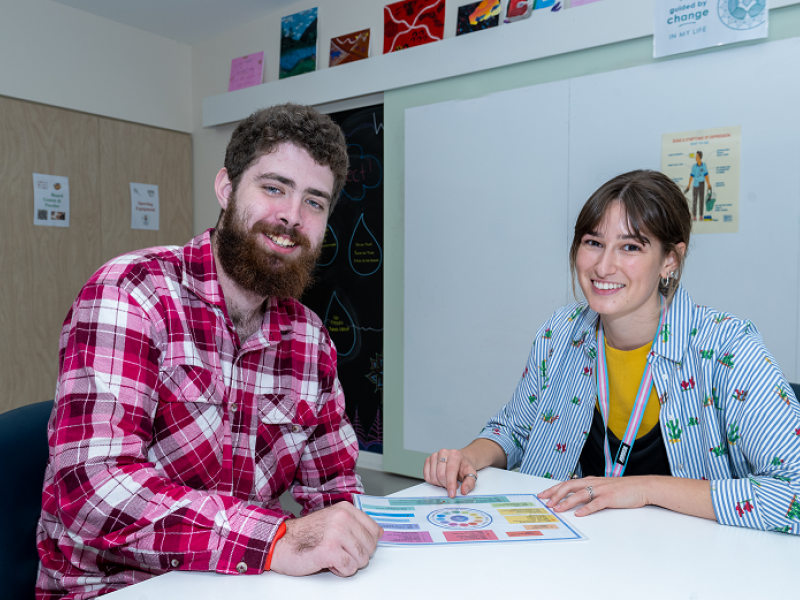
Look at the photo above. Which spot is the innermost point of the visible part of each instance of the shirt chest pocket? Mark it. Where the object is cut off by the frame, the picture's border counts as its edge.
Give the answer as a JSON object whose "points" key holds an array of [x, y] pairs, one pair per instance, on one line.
{"points": [[285, 424], [189, 428]]}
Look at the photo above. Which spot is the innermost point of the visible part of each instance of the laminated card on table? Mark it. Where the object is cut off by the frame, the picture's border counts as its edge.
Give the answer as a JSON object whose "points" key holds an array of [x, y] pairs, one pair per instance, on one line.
{"points": [[466, 519]]}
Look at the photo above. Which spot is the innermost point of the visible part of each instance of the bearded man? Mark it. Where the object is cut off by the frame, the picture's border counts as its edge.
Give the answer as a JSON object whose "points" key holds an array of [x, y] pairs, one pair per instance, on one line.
{"points": [[194, 389]]}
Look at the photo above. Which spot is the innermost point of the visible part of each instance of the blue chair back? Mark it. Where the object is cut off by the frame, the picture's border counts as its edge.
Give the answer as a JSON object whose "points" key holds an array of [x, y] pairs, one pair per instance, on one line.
{"points": [[24, 452]]}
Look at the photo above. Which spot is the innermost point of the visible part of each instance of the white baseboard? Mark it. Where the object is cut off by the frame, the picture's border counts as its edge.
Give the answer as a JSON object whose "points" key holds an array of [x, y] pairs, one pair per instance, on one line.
{"points": [[370, 460]]}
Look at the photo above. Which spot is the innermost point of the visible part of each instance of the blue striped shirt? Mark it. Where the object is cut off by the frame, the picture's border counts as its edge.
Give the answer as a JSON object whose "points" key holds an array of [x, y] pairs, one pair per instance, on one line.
{"points": [[727, 412]]}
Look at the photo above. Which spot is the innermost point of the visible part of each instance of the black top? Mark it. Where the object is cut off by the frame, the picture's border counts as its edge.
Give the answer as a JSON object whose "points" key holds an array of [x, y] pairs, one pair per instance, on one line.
{"points": [[648, 456]]}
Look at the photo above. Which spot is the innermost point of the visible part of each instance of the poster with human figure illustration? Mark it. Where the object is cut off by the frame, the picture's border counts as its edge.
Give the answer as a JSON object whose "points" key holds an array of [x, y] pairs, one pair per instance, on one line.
{"points": [[705, 164]]}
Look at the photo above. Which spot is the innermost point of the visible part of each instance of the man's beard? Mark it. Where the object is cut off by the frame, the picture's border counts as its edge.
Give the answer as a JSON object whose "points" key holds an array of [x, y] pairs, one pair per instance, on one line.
{"points": [[257, 269]]}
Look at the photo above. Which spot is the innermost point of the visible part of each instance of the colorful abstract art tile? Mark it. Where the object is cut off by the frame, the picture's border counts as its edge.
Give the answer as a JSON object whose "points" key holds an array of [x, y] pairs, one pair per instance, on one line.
{"points": [[478, 16], [350, 48], [518, 10], [412, 23], [299, 43]]}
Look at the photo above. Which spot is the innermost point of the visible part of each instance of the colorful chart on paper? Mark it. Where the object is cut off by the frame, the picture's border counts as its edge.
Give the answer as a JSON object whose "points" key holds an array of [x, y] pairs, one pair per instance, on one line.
{"points": [[412, 23], [466, 519]]}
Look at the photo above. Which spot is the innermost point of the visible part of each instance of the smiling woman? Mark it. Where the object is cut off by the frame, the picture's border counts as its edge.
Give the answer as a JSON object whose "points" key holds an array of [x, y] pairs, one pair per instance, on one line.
{"points": [[683, 401]]}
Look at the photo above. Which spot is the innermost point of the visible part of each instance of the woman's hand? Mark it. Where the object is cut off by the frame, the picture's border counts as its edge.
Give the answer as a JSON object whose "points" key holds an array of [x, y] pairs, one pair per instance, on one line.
{"points": [[687, 496], [597, 493], [448, 468]]}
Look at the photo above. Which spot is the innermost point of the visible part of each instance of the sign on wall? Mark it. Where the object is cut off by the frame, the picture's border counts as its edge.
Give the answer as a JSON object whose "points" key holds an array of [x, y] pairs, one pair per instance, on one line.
{"points": [[50, 200], [705, 165], [144, 206], [683, 26]]}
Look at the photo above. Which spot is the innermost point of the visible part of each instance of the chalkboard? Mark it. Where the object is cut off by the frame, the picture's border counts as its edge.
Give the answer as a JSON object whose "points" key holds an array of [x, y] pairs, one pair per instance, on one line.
{"points": [[348, 292]]}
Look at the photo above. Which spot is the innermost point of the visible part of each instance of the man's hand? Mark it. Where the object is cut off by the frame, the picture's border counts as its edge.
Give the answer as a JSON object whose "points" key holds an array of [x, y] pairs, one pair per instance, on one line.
{"points": [[340, 538]]}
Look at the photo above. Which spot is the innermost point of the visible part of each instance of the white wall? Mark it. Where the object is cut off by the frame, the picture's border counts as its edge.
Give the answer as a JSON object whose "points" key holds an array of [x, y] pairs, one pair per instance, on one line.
{"points": [[211, 60], [57, 55], [211, 63]]}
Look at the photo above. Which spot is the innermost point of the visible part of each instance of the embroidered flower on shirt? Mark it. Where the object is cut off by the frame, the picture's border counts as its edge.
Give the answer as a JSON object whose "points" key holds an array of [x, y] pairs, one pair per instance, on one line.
{"points": [[733, 433], [726, 360], [718, 450], [675, 431], [549, 416], [794, 509], [782, 394], [743, 506]]}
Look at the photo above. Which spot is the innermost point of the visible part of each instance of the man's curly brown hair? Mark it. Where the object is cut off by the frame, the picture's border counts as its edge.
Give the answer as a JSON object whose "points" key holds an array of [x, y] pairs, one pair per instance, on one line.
{"points": [[264, 130]]}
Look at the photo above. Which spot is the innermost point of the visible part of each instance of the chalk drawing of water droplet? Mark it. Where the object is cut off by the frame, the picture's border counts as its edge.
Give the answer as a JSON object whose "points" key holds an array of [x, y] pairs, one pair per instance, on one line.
{"points": [[364, 251], [342, 327], [330, 248]]}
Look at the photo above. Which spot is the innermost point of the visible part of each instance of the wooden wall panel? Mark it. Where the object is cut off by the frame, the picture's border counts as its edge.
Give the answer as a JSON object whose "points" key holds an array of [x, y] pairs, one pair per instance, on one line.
{"points": [[43, 268], [134, 153]]}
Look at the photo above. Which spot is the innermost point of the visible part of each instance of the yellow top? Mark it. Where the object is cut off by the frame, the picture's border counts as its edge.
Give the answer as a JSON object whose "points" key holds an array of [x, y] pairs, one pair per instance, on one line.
{"points": [[625, 370]]}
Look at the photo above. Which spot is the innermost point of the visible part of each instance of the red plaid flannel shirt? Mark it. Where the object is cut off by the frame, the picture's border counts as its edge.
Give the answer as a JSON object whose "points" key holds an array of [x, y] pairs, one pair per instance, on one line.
{"points": [[170, 441]]}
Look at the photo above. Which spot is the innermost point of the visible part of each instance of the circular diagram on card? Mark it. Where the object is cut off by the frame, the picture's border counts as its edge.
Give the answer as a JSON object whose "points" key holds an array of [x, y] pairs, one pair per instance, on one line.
{"points": [[463, 519]]}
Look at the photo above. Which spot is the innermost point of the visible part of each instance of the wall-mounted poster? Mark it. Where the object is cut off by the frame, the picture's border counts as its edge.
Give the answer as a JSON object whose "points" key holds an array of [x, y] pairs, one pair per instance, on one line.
{"points": [[299, 43], [682, 26], [246, 71], [350, 48], [705, 164], [50, 200], [478, 16], [348, 292], [144, 206], [412, 23]]}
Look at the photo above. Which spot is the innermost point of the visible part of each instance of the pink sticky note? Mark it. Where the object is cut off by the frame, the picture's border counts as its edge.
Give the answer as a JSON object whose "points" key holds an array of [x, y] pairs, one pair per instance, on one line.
{"points": [[407, 537], [246, 71], [470, 536]]}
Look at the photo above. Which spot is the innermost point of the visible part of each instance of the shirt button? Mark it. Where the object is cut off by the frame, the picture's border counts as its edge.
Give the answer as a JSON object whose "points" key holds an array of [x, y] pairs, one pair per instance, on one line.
{"points": [[242, 567], [233, 407], [175, 562], [295, 428], [664, 377]]}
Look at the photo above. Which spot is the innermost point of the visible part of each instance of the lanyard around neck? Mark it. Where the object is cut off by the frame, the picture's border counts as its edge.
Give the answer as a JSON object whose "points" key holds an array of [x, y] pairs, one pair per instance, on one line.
{"points": [[616, 467]]}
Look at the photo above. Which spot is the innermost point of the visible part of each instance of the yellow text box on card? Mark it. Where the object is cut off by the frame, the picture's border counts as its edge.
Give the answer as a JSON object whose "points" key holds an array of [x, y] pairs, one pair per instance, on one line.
{"points": [[520, 519], [523, 511]]}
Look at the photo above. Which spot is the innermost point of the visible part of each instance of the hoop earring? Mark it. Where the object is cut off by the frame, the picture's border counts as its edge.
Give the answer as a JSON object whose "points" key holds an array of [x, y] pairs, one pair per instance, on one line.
{"points": [[665, 280]]}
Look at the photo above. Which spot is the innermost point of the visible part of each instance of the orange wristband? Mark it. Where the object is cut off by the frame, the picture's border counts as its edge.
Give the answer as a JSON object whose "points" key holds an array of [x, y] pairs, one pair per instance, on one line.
{"points": [[278, 535]]}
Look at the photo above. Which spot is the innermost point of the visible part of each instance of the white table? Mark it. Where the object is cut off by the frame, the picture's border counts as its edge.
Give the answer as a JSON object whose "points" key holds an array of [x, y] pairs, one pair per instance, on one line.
{"points": [[644, 553]]}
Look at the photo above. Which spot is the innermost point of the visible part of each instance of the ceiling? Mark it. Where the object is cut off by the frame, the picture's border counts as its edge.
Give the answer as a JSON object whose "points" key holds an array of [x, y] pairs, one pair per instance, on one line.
{"points": [[187, 21]]}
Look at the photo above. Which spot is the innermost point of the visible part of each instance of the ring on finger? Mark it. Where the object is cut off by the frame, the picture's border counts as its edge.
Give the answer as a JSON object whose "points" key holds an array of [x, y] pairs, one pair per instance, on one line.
{"points": [[591, 493], [444, 460], [473, 475]]}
